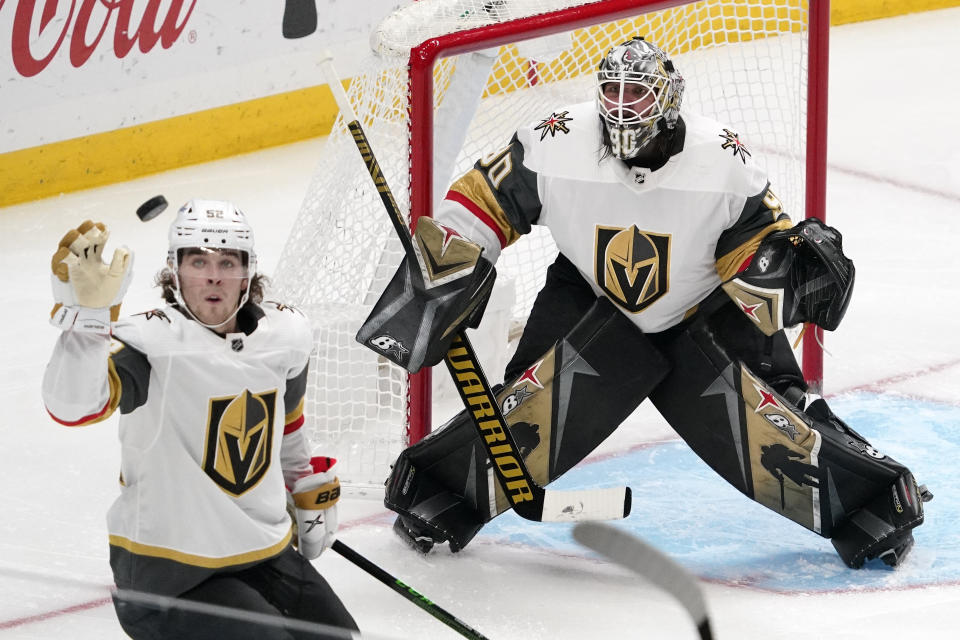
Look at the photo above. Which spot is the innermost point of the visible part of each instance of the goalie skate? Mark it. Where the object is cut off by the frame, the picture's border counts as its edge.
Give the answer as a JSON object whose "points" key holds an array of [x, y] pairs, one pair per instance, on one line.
{"points": [[415, 536], [883, 528]]}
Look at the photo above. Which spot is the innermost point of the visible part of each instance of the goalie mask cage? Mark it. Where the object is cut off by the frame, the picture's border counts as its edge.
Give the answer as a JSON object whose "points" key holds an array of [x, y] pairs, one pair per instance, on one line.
{"points": [[450, 82]]}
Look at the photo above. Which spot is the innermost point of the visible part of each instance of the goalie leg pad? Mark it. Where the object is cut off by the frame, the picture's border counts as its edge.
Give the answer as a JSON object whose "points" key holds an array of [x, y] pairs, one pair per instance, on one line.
{"points": [[430, 513], [806, 465], [559, 410]]}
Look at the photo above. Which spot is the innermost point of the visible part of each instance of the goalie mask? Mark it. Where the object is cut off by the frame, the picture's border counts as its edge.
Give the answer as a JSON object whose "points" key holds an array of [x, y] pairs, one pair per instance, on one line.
{"points": [[202, 240], [638, 96]]}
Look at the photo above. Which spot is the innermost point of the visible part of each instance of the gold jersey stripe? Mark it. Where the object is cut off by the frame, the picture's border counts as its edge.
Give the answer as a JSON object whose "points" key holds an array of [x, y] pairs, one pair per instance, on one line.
{"points": [[473, 187], [200, 561], [295, 414], [729, 264]]}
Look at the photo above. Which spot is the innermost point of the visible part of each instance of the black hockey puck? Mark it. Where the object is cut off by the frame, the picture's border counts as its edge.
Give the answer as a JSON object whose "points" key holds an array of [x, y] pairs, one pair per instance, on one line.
{"points": [[152, 208]]}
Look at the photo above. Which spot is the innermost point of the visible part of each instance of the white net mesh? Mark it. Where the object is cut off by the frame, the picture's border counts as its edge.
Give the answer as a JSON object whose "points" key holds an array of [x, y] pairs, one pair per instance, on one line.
{"points": [[745, 64]]}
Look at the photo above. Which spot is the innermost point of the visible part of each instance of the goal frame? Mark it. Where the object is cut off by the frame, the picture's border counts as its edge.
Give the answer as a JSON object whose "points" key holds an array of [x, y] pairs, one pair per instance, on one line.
{"points": [[424, 57]]}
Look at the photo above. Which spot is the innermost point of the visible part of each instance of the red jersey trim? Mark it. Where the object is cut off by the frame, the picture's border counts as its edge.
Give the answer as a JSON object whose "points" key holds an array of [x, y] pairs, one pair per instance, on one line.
{"points": [[482, 215]]}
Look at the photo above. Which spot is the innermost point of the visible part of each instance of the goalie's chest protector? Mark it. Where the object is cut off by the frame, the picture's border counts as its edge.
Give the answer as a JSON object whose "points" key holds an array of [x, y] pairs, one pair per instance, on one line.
{"points": [[201, 478], [644, 239]]}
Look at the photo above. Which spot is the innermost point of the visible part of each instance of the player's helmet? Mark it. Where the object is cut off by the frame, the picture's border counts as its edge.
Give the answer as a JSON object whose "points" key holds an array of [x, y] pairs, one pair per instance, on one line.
{"points": [[212, 225], [641, 63]]}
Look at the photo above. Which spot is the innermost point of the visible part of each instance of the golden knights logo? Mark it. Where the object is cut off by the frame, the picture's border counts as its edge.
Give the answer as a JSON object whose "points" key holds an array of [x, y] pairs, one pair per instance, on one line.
{"points": [[239, 440], [283, 307], [732, 141], [632, 266], [556, 122], [154, 313]]}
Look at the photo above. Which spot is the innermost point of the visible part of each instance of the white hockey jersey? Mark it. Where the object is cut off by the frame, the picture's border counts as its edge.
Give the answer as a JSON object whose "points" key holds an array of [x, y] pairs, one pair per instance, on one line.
{"points": [[655, 242], [210, 434]]}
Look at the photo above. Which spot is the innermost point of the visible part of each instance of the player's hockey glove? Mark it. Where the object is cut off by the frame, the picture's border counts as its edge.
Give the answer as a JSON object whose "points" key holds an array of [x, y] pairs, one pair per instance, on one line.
{"points": [[797, 275], [314, 499], [87, 291], [434, 294]]}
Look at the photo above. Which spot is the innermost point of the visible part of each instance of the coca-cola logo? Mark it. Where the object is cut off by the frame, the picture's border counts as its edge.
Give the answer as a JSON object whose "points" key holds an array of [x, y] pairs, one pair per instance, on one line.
{"points": [[86, 24]]}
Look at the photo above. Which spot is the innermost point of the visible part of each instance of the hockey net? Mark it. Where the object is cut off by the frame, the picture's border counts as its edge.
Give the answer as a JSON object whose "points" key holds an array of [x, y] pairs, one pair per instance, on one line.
{"points": [[450, 82]]}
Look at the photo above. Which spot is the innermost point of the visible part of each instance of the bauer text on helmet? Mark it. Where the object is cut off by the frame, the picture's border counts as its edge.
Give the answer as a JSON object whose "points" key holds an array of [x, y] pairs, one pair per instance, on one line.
{"points": [[212, 257]]}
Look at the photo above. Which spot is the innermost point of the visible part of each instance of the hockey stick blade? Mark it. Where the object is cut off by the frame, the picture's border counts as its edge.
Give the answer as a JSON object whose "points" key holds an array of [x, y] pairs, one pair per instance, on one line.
{"points": [[653, 565], [528, 499], [408, 592]]}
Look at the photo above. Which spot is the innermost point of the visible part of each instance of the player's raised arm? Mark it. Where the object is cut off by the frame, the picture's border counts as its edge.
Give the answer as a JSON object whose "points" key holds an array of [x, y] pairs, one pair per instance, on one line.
{"points": [[81, 385]]}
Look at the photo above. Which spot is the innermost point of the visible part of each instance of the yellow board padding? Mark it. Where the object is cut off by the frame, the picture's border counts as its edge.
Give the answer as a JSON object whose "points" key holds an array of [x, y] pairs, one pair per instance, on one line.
{"points": [[847, 11], [131, 152], [124, 154]]}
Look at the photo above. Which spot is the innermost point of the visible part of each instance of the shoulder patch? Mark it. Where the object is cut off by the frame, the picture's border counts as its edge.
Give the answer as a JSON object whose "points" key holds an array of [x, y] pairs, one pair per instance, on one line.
{"points": [[731, 140], [282, 307], [154, 313], [556, 122]]}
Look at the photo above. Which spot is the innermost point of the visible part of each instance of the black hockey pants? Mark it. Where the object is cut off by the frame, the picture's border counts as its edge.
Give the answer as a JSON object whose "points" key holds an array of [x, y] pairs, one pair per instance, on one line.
{"points": [[286, 586]]}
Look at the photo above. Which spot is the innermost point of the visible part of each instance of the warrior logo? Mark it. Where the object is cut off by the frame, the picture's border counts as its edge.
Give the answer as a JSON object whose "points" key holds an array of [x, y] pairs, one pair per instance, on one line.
{"points": [[732, 141], [239, 440], [387, 344], [632, 266], [556, 122]]}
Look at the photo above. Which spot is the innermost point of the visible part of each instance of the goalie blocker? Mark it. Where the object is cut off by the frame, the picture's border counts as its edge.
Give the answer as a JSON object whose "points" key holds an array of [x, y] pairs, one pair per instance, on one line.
{"points": [[425, 304], [800, 461]]}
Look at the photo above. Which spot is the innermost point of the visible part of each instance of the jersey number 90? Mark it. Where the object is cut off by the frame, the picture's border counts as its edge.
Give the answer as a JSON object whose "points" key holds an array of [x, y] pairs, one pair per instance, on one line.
{"points": [[623, 142]]}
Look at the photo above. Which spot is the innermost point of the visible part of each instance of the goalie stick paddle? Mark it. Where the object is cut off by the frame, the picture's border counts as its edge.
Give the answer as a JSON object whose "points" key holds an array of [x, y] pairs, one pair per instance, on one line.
{"points": [[528, 499], [407, 592], [656, 567]]}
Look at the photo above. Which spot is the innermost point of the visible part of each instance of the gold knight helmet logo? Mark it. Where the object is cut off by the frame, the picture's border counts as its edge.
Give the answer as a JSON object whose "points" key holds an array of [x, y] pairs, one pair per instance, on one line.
{"points": [[239, 440], [632, 266]]}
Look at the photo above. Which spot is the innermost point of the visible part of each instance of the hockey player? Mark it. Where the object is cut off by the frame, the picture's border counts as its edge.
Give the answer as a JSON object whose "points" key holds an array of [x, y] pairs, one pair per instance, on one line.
{"points": [[210, 389], [677, 273]]}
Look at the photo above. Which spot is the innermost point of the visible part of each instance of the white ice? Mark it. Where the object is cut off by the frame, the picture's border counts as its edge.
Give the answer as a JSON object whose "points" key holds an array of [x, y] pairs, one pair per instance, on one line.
{"points": [[893, 190]]}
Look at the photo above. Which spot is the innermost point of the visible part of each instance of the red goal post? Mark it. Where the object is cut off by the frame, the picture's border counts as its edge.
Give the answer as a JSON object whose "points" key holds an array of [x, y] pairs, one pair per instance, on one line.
{"points": [[763, 58]]}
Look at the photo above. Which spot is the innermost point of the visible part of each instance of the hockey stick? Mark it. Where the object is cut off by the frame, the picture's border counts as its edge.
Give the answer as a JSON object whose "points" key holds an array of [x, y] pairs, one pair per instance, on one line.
{"points": [[660, 570], [529, 499], [407, 592]]}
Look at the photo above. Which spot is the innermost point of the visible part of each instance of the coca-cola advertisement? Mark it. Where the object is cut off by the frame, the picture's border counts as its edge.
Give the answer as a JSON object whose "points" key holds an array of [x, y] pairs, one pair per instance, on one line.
{"points": [[78, 67]]}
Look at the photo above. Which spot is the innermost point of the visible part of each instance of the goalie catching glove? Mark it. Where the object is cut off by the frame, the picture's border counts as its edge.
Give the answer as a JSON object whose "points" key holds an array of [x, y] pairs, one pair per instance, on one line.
{"points": [[87, 291], [314, 508], [434, 293], [797, 275]]}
